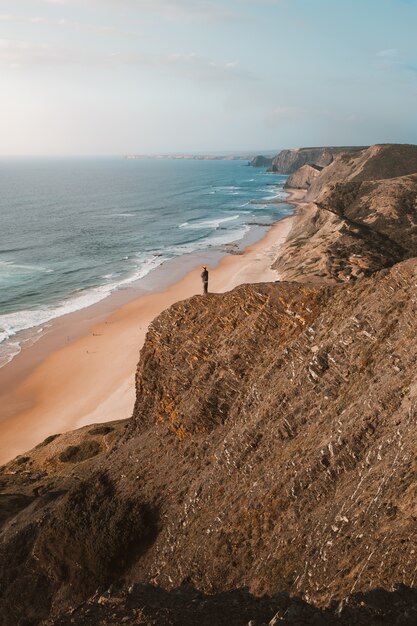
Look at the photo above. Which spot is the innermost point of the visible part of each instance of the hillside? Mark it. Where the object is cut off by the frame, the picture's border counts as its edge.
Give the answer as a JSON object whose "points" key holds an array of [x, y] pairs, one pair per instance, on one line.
{"points": [[268, 472], [303, 177], [378, 162], [257, 455], [289, 161], [357, 218]]}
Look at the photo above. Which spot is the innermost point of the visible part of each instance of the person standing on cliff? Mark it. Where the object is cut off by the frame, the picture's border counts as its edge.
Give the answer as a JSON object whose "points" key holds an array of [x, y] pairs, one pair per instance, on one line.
{"points": [[204, 278]]}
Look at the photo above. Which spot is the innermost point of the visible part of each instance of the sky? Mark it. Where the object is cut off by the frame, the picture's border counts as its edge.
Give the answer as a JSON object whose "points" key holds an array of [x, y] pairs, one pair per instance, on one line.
{"points": [[85, 77]]}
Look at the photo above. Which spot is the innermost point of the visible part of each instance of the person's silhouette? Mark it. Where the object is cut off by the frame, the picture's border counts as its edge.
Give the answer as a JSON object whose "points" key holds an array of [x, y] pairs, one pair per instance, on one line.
{"points": [[204, 278]]}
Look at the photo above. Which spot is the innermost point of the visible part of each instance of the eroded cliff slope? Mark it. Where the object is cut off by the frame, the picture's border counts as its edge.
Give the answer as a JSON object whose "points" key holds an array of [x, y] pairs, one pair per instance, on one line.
{"points": [[289, 161], [360, 216], [272, 446], [303, 177], [379, 162]]}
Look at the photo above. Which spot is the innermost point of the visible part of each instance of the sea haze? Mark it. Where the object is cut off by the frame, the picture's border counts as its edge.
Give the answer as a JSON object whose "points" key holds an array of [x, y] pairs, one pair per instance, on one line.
{"points": [[74, 230]]}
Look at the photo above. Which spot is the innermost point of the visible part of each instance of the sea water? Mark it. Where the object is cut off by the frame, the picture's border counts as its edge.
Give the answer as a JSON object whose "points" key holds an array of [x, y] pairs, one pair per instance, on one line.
{"points": [[72, 231]]}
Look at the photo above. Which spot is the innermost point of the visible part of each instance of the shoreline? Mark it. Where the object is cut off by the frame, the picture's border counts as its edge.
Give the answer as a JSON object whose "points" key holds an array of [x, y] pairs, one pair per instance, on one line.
{"points": [[83, 371]]}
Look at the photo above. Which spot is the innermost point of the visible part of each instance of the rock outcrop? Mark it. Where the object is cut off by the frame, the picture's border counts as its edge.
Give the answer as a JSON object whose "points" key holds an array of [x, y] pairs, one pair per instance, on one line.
{"points": [[272, 446], [289, 161], [303, 177], [261, 161], [268, 473]]}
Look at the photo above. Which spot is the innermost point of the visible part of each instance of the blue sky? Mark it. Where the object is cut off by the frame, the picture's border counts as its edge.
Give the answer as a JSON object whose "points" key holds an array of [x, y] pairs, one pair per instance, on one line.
{"points": [[150, 76]]}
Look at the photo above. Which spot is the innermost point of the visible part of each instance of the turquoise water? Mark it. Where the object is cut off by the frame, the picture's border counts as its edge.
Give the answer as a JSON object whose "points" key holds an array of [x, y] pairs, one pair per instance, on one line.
{"points": [[72, 231]]}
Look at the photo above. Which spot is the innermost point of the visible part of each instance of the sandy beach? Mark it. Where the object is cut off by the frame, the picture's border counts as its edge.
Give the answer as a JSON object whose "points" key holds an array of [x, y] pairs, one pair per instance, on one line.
{"points": [[84, 371]]}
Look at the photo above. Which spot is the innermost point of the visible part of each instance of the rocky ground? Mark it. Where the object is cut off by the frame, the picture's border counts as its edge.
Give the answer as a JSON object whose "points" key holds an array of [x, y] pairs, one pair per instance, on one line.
{"points": [[145, 605]]}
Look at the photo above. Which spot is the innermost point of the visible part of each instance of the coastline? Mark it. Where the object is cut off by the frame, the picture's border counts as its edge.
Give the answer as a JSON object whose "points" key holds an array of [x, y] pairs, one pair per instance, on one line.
{"points": [[84, 371]]}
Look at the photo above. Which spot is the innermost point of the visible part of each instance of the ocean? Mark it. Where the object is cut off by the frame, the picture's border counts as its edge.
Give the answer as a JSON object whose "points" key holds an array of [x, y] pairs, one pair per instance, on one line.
{"points": [[74, 230]]}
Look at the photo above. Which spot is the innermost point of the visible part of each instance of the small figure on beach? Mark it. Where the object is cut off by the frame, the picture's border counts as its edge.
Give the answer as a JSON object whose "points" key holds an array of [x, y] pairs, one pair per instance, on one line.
{"points": [[204, 278]]}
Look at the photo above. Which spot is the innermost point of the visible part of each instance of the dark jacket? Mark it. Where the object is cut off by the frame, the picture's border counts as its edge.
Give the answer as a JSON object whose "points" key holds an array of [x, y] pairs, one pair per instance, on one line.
{"points": [[204, 276]]}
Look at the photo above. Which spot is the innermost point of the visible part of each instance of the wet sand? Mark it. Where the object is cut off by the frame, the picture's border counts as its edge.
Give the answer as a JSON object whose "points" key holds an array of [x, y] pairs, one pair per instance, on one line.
{"points": [[83, 371]]}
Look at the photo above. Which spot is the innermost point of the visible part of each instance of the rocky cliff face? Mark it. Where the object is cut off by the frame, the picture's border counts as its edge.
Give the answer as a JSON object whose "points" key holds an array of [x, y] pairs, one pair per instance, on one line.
{"points": [[303, 177], [379, 162], [362, 217], [289, 161], [298, 420], [271, 451], [261, 161], [272, 446]]}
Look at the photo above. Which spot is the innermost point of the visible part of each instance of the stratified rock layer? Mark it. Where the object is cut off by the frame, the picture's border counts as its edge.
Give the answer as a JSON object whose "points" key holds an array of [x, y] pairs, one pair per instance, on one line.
{"points": [[379, 162], [293, 409], [303, 177], [362, 217], [289, 161], [261, 161], [272, 446]]}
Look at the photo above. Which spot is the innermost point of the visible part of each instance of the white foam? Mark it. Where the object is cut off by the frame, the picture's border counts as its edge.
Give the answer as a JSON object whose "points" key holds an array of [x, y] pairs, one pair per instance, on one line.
{"points": [[216, 223], [16, 323], [121, 215], [228, 236], [13, 323], [8, 352], [11, 267], [228, 190]]}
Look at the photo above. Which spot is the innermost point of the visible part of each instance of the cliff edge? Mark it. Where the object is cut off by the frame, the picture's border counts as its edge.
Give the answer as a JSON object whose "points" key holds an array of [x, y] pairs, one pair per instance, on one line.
{"points": [[289, 161], [303, 177]]}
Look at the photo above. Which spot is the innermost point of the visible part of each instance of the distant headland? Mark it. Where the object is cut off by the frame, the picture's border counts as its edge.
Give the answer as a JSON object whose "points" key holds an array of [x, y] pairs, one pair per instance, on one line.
{"points": [[194, 157]]}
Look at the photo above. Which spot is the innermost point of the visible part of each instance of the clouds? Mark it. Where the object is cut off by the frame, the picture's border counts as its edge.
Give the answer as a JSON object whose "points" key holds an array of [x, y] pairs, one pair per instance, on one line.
{"points": [[389, 53], [199, 68], [391, 59], [157, 68], [18, 54], [8, 17], [73, 25], [171, 10], [282, 114], [36, 42]]}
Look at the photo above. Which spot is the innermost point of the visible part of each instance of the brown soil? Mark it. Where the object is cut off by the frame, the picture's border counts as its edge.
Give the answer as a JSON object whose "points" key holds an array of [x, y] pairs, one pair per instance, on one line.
{"points": [[185, 606]]}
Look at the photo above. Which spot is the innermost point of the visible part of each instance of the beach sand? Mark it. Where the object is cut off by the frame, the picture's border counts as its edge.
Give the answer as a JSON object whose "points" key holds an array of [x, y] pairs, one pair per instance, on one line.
{"points": [[84, 371]]}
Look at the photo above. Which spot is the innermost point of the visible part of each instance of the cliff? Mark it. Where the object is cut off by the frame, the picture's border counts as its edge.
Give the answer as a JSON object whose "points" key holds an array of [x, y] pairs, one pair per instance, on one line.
{"points": [[261, 161], [303, 177], [271, 446], [361, 218], [379, 162], [289, 161], [271, 450]]}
